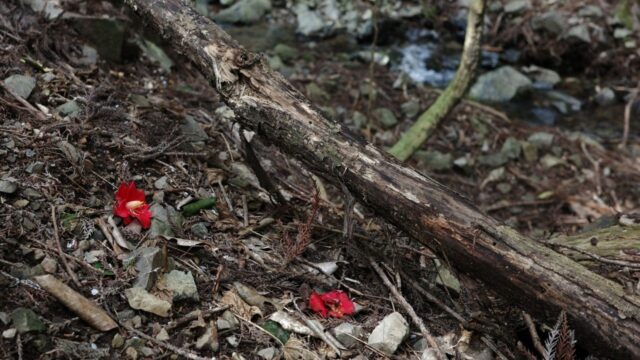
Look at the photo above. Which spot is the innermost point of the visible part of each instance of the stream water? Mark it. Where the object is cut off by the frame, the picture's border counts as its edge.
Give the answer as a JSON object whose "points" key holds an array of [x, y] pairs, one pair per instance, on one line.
{"points": [[426, 58]]}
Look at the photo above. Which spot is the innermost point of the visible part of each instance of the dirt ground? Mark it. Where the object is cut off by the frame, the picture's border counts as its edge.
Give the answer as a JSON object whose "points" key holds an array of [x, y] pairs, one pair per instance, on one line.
{"points": [[253, 253]]}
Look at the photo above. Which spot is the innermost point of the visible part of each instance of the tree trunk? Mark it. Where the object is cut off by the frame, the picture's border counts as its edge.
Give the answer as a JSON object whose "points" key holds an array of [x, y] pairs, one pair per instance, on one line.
{"points": [[607, 320]]}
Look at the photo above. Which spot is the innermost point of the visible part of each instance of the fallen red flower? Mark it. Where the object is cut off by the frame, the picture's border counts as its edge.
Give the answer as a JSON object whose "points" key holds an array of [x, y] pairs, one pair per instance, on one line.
{"points": [[334, 303], [130, 204]]}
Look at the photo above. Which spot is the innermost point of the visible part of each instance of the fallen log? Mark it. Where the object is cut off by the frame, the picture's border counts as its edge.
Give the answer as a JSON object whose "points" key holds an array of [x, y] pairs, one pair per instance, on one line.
{"points": [[542, 281]]}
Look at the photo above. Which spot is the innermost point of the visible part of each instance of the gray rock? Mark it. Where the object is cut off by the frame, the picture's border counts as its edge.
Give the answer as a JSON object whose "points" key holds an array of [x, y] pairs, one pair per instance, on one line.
{"points": [[160, 224], [8, 187], [511, 148], [590, 11], [500, 85], [542, 78], [25, 320], [605, 97], [244, 12], [181, 284], [310, 23], [21, 85], [348, 334], [267, 353], [517, 6], [200, 230], [579, 32], [358, 120], [621, 33], [410, 108], [493, 160], [548, 161], [275, 62], [551, 21], [149, 260], [541, 139], [563, 102], [385, 117], [227, 321], [50, 9], [157, 55], [389, 333], [285, 52], [161, 183], [140, 299], [194, 132], [71, 109], [117, 341], [530, 151], [435, 160], [35, 167]]}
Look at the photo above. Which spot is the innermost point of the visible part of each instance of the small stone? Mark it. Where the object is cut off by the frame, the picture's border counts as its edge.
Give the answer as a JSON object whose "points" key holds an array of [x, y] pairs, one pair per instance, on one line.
{"points": [[9, 333], [590, 11], [117, 341], [25, 320], [131, 353], [348, 334], [551, 21], [21, 85], [160, 224], [517, 6], [4, 318], [148, 261], [163, 335], [605, 97], [530, 151], [621, 33], [410, 108], [140, 299], [49, 265], [233, 341], [435, 160], [511, 148], [541, 139], [275, 62], [389, 333], [227, 321], [267, 353], [579, 32], [500, 85], [244, 12], [504, 187], [21, 203], [70, 109], [549, 161], [544, 79], [180, 284], [493, 160], [316, 93], [200, 230], [8, 187], [385, 117], [358, 119], [161, 183], [286, 52]]}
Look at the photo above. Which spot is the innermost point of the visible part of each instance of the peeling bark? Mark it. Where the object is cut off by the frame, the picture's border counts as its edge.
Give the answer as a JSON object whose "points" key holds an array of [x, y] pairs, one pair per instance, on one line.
{"points": [[606, 319]]}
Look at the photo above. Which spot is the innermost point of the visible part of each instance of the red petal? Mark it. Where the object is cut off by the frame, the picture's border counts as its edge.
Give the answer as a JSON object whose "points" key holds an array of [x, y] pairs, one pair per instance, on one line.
{"points": [[121, 210], [316, 304], [346, 305], [144, 216], [128, 192]]}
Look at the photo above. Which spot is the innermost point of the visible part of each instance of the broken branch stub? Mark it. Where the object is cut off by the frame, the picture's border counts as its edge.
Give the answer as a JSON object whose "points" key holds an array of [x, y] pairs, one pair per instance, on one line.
{"points": [[539, 279]]}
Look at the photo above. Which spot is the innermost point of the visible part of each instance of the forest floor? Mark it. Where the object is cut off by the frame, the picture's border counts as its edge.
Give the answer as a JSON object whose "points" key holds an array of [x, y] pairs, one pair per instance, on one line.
{"points": [[74, 126]]}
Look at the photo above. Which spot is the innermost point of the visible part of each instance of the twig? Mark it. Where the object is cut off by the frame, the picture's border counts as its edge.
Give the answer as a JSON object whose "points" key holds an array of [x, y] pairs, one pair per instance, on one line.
{"points": [[19, 346], [182, 352], [534, 333], [432, 298], [194, 315], [493, 347], [245, 211], [409, 309], [596, 166], [629, 264], [226, 197], [627, 116], [32, 109], [72, 275]]}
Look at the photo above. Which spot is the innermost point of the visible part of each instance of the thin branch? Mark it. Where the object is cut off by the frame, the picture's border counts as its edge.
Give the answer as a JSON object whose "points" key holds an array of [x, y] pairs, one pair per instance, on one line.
{"points": [[63, 259], [534, 333]]}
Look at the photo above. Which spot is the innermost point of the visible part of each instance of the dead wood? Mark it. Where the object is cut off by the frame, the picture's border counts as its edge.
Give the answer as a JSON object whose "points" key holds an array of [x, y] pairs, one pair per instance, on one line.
{"points": [[541, 280]]}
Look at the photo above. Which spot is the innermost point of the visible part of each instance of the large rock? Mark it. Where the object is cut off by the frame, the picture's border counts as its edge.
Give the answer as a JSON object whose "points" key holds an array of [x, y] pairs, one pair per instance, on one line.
{"points": [[500, 85], [21, 85], [389, 333], [244, 12]]}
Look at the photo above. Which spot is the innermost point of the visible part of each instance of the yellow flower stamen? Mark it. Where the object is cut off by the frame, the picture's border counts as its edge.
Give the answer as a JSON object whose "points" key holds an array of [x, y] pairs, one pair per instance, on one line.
{"points": [[134, 205]]}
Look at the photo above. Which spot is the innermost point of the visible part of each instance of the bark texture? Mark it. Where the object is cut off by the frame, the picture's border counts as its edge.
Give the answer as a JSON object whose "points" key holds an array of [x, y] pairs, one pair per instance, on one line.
{"points": [[606, 319]]}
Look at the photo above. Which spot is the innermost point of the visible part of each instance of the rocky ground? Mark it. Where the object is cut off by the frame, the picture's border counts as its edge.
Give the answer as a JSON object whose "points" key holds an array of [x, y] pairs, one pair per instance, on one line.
{"points": [[242, 235]]}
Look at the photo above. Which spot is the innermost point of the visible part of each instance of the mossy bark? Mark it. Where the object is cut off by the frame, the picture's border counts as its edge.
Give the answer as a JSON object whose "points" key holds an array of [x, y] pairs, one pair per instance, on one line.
{"points": [[521, 269], [420, 131]]}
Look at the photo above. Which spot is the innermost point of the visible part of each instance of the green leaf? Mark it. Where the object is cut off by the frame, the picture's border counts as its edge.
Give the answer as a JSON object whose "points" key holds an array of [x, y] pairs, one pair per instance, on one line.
{"points": [[195, 207], [276, 330]]}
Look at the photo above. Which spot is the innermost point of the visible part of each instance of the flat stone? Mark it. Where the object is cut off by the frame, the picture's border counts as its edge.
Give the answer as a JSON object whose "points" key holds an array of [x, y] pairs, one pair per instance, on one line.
{"points": [[148, 262], [385, 117], [25, 320], [71, 109], [200, 230], [348, 334], [8, 187], [140, 299], [548, 161], [268, 353], [181, 284], [493, 160], [160, 224], [161, 183], [389, 333], [435, 160], [244, 12], [500, 85], [558, 97], [541, 139], [21, 85], [542, 78]]}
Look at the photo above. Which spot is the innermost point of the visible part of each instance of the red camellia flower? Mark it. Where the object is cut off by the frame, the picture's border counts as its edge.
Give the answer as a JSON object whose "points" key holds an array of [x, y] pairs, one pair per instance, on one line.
{"points": [[333, 303], [130, 204]]}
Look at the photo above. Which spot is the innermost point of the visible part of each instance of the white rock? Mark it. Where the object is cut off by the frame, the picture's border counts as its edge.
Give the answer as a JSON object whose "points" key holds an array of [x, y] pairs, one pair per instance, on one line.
{"points": [[389, 333]]}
